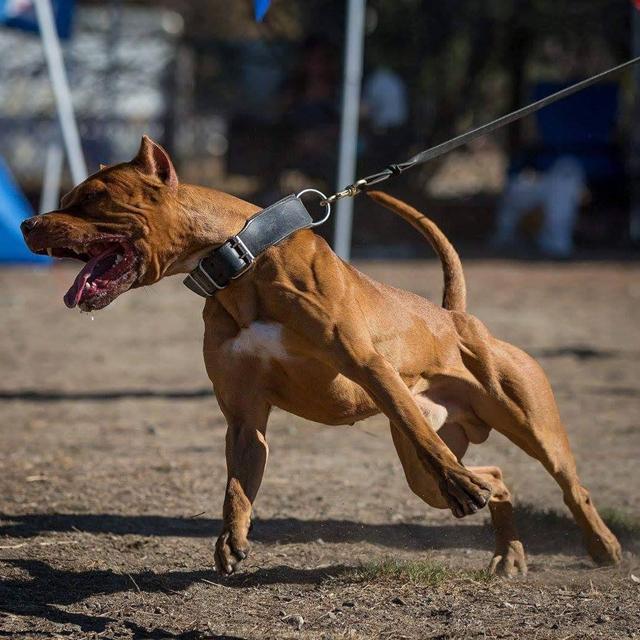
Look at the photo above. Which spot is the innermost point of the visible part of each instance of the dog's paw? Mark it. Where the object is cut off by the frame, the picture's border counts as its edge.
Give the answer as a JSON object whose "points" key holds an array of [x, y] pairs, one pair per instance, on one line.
{"points": [[509, 560], [465, 492], [230, 551], [604, 548]]}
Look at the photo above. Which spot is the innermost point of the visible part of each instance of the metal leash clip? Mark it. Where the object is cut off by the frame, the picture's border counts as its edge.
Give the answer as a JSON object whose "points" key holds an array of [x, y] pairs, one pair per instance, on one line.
{"points": [[348, 192], [325, 202], [355, 188]]}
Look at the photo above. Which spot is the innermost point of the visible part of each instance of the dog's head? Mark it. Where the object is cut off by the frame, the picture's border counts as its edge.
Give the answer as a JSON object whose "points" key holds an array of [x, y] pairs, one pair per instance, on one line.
{"points": [[128, 225]]}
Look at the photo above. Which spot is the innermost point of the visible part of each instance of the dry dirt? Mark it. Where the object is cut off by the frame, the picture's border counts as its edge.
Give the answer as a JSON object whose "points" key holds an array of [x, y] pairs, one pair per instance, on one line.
{"points": [[112, 475]]}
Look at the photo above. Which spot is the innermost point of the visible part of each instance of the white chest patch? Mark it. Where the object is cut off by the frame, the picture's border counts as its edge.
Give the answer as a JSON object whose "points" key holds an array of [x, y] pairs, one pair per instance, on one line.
{"points": [[260, 339]]}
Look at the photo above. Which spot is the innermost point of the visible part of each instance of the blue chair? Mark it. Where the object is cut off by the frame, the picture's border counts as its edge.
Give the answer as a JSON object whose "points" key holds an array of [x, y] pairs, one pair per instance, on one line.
{"points": [[582, 126]]}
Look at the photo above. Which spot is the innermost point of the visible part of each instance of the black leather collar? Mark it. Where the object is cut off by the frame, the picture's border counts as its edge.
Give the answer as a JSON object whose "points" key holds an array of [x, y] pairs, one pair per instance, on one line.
{"points": [[236, 256]]}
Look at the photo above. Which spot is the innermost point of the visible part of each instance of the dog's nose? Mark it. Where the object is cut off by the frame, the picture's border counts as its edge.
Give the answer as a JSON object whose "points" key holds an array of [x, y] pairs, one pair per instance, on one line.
{"points": [[28, 224]]}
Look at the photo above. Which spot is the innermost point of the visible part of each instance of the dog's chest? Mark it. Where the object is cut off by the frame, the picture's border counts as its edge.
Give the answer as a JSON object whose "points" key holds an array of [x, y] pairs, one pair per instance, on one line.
{"points": [[262, 340]]}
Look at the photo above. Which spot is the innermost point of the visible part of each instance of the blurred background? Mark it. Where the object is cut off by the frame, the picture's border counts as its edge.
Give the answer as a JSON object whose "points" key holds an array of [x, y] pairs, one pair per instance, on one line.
{"points": [[112, 462], [253, 107]]}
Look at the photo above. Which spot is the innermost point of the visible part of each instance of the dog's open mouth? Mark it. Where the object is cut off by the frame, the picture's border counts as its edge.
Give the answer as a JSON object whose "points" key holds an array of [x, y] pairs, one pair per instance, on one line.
{"points": [[110, 269]]}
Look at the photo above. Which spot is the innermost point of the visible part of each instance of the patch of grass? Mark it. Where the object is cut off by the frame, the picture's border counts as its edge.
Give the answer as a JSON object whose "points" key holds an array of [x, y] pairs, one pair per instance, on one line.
{"points": [[621, 523], [422, 572]]}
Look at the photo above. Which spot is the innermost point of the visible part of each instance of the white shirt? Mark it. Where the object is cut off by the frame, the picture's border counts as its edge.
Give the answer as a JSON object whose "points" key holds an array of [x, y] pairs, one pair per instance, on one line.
{"points": [[385, 97]]}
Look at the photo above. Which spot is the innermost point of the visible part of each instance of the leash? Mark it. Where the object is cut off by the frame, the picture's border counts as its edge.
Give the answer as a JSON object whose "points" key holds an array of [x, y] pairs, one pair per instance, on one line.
{"points": [[440, 149], [283, 218]]}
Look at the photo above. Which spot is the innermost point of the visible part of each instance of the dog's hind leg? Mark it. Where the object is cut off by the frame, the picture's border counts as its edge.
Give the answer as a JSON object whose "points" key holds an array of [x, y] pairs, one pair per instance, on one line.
{"points": [[529, 417], [420, 481], [509, 556], [556, 456]]}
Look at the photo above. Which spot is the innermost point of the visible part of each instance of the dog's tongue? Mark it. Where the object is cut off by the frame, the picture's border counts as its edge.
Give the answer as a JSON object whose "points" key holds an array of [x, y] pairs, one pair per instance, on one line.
{"points": [[74, 295]]}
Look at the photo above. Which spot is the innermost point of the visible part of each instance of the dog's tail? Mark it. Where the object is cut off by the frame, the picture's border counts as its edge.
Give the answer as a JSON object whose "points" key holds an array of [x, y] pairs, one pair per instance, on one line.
{"points": [[454, 296]]}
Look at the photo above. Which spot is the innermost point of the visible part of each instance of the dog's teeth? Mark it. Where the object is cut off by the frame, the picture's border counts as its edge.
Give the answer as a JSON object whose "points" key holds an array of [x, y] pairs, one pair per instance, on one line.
{"points": [[118, 258], [87, 285], [50, 252]]}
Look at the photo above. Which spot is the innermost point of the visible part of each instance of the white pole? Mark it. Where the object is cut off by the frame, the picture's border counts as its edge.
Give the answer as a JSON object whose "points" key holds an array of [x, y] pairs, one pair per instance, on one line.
{"points": [[52, 178], [55, 64], [354, 47]]}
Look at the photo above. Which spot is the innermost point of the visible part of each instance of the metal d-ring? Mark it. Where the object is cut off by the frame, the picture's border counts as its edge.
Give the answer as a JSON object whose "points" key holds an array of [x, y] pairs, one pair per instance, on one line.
{"points": [[324, 203]]}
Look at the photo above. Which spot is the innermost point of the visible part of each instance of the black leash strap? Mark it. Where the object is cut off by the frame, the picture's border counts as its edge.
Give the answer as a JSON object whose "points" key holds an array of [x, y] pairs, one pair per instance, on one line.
{"points": [[280, 220], [458, 141]]}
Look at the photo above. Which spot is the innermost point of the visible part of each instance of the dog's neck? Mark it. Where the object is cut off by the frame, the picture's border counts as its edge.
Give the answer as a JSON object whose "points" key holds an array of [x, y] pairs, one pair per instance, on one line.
{"points": [[206, 219], [212, 217]]}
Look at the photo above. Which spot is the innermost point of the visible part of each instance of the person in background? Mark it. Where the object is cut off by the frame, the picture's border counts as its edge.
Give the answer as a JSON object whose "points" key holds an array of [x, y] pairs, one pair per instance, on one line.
{"points": [[385, 116], [558, 192], [574, 153], [384, 98]]}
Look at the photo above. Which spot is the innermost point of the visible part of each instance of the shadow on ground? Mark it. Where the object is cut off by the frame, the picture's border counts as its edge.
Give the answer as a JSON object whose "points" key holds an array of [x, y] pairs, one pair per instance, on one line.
{"points": [[56, 395], [542, 531], [45, 589]]}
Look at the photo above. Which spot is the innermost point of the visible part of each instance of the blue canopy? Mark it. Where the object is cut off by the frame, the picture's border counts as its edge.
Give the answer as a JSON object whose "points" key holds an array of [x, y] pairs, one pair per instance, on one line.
{"points": [[14, 208], [22, 15]]}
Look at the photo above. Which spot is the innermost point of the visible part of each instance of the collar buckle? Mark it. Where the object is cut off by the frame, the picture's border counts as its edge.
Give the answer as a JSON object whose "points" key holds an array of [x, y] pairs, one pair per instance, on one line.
{"points": [[200, 268], [244, 253], [245, 256]]}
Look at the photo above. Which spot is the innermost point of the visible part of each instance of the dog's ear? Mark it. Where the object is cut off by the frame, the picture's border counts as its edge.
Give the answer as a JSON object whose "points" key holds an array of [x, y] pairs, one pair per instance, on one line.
{"points": [[153, 160]]}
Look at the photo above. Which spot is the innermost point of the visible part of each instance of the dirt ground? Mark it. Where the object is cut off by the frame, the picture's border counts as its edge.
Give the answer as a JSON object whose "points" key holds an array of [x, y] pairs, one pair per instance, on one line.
{"points": [[112, 477]]}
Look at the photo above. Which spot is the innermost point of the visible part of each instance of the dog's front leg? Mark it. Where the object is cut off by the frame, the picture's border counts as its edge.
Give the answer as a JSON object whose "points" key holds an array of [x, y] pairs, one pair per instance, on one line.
{"points": [[246, 454], [349, 347], [463, 490]]}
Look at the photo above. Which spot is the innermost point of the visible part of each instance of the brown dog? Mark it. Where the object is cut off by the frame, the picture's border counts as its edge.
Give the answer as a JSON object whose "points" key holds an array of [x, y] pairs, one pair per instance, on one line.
{"points": [[306, 332]]}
